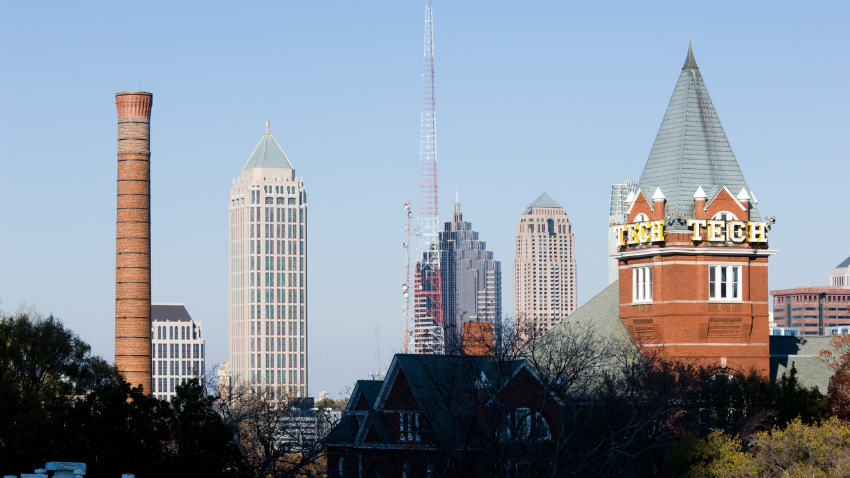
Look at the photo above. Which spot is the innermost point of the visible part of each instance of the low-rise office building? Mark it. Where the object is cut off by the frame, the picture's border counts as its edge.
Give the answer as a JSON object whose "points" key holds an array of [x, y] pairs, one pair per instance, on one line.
{"points": [[177, 348]]}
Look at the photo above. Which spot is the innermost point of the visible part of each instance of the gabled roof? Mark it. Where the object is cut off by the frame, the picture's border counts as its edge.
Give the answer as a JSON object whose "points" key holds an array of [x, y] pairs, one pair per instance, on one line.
{"points": [[542, 201], [267, 154], [846, 263], [691, 149], [169, 313], [804, 353]]}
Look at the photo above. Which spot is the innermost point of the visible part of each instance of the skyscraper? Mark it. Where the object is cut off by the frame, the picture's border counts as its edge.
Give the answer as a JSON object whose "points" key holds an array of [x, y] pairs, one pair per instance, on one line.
{"points": [[471, 281], [545, 277], [617, 216], [133, 239], [268, 273]]}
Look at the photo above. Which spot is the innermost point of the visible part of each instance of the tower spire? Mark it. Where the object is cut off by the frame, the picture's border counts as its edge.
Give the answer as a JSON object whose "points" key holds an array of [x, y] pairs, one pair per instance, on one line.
{"points": [[690, 62], [268, 129]]}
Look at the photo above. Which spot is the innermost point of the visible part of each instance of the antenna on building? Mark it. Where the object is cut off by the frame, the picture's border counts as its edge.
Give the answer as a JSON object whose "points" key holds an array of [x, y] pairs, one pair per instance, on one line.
{"points": [[428, 301], [407, 338], [376, 374]]}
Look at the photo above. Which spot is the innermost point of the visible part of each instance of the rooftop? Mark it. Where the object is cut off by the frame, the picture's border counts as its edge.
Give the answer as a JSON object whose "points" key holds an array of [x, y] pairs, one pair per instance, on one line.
{"points": [[845, 263], [169, 313], [691, 149], [544, 200], [268, 154]]}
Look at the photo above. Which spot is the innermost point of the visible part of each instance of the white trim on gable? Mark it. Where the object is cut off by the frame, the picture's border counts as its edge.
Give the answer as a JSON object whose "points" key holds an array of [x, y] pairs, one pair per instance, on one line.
{"points": [[724, 188]]}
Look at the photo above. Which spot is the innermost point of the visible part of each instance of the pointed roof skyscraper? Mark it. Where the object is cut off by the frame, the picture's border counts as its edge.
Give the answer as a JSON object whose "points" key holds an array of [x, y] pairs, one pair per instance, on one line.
{"points": [[691, 149], [267, 154]]}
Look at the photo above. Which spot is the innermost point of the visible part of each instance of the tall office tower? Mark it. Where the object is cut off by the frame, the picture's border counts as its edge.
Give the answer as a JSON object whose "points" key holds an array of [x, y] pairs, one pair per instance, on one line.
{"points": [[133, 239], [471, 280], [617, 216], [268, 274], [177, 349], [545, 277]]}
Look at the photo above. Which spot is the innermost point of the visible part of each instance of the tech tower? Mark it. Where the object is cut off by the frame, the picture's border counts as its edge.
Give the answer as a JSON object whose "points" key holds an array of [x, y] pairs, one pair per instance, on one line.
{"points": [[133, 240]]}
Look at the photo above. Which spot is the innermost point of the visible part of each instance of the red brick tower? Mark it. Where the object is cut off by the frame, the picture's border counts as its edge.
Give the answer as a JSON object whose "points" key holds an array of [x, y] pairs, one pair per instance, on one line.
{"points": [[133, 240], [693, 254]]}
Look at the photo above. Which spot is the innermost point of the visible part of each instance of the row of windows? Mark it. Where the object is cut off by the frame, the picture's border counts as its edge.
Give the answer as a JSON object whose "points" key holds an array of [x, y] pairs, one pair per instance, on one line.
{"points": [[279, 214], [281, 342], [278, 296], [281, 360], [177, 350], [290, 247], [177, 367], [278, 263], [167, 385], [294, 328], [295, 377], [172, 331], [256, 197], [256, 312], [724, 283], [278, 279]]}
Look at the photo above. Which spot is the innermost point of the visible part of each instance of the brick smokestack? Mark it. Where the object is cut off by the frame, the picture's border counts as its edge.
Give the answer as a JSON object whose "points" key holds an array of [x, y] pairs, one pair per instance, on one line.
{"points": [[133, 240]]}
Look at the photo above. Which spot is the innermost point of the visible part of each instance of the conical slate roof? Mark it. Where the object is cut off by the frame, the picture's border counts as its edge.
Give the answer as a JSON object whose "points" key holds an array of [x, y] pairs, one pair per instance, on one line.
{"points": [[267, 154], [691, 149], [542, 201]]}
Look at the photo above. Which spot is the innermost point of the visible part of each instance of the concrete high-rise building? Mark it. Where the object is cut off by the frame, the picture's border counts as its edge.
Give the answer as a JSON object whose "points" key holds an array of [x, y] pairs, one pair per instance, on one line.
{"points": [[177, 348], [620, 195], [545, 277], [471, 282], [268, 273], [133, 239]]}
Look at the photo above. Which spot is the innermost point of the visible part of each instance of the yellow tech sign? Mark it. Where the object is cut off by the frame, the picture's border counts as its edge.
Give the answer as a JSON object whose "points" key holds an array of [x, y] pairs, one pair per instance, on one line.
{"points": [[710, 230]]}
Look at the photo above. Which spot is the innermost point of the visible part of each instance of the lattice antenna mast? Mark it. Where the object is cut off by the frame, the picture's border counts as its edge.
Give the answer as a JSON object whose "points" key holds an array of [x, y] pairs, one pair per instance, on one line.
{"points": [[406, 288], [429, 290]]}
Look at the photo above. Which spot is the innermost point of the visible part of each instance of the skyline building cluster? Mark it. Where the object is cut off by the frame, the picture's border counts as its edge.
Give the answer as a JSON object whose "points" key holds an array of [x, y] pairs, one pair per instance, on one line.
{"points": [[621, 195]]}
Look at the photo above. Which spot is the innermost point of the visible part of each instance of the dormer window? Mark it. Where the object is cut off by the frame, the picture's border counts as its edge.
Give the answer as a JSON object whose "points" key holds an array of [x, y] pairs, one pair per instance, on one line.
{"points": [[725, 216], [408, 427]]}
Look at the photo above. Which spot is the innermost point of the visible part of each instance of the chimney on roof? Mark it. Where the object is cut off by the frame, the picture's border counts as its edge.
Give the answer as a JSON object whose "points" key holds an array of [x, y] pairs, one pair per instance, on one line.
{"points": [[658, 199], [699, 203], [477, 338], [745, 200]]}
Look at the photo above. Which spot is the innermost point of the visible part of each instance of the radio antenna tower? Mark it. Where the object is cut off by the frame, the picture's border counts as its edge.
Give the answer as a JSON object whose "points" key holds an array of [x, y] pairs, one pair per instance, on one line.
{"points": [[428, 291]]}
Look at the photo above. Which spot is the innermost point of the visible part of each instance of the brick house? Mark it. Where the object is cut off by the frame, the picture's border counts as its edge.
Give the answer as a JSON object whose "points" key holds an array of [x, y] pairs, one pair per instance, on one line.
{"points": [[435, 412]]}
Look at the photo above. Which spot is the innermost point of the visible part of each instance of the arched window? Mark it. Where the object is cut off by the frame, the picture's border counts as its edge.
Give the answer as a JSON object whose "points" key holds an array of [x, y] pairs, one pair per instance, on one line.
{"points": [[341, 466], [725, 216]]}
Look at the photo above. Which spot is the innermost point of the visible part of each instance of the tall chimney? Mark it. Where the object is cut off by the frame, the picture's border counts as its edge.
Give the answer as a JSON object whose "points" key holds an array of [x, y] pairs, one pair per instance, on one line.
{"points": [[133, 240]]}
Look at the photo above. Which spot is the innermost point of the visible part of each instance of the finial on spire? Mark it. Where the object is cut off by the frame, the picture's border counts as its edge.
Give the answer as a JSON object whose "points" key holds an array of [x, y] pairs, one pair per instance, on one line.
{"points": [[690, 62], [268, 131]]}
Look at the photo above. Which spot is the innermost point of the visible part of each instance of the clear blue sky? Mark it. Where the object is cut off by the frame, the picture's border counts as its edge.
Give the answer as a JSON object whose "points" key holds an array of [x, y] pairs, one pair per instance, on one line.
{"points": [[561, 97]]}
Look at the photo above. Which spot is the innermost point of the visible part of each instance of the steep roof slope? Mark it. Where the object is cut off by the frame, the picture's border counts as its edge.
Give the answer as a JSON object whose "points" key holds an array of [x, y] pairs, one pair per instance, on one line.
{"points": [[267, 154], [544, 200], [691, 149]]}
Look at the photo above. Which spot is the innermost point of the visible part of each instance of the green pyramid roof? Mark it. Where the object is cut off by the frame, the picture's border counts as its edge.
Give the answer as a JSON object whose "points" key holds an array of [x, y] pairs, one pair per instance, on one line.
{"points": [[267, 154], [542, 201], [691, 149]]}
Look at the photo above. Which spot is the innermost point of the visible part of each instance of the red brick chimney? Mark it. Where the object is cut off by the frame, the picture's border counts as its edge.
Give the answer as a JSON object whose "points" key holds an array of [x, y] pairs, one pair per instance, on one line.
{"points": [[133, 240]]}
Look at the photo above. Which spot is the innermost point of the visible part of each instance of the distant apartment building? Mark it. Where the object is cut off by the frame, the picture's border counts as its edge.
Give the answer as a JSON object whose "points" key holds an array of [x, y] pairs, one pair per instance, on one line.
{"points": [[471, 285], [545, 276], [841, 276], [177, 349], [268, 273], [617, 213]]}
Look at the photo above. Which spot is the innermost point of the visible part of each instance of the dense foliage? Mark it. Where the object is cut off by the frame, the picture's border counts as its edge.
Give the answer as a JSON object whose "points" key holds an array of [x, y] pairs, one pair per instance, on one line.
{"points": [[58, 402]]}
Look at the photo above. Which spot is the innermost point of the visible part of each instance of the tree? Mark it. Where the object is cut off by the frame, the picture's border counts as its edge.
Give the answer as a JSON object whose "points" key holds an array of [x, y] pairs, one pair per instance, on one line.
{"points": [[838, 359], [60, 403]]}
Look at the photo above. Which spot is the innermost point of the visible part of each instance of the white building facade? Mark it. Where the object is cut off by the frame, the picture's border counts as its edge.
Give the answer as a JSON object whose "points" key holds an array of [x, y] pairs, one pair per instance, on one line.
{"points": [[177, 349], [545, 274], [268, 274], [840, 277]]}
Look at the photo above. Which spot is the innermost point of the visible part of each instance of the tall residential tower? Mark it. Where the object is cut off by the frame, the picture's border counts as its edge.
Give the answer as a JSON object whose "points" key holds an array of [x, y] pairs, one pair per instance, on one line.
{"points": [[545, 278], [268, 273]]}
